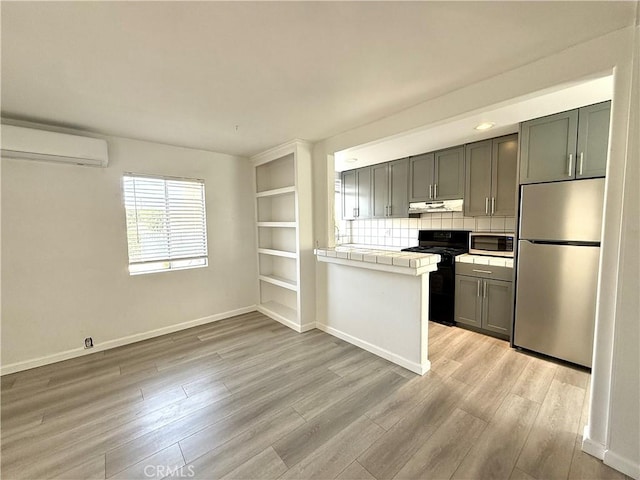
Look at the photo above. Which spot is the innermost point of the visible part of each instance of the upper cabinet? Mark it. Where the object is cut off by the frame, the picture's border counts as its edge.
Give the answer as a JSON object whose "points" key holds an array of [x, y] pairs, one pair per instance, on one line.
{"points": [[490, 177], [437, 176], [593, 140], [349, 194], [478, 179], [389, 189], [356, 194], [566, 145], [449, 174], [421, 178]]}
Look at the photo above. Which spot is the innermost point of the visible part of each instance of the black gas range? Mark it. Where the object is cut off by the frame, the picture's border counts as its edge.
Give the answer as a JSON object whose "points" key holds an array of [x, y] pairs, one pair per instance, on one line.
{"points": [[442, 283], [447, 255]]}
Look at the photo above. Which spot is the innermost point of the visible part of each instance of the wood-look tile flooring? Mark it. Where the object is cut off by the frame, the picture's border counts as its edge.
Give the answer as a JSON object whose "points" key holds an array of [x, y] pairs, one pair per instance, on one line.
{"points": [[249, 398]]}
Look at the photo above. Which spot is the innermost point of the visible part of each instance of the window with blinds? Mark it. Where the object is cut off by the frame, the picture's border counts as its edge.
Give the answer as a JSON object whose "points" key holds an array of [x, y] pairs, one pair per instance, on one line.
{"points": [[166, 223]]}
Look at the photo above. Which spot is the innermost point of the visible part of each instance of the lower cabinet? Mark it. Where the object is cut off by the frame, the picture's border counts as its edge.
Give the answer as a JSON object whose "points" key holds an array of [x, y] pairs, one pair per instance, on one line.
{"points": [[483, 302]]}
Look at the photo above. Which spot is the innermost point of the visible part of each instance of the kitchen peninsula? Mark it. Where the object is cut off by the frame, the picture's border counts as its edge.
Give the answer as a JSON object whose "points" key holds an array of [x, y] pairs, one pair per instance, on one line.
{"points": [[379, 301]]}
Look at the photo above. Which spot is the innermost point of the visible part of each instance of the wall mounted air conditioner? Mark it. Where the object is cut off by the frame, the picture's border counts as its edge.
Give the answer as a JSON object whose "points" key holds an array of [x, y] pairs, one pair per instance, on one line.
{"points": [[32, 144]]}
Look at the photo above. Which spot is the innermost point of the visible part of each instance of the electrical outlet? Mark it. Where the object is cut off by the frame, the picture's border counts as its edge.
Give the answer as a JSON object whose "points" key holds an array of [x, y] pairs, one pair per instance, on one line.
{"points": [[88, 342]]}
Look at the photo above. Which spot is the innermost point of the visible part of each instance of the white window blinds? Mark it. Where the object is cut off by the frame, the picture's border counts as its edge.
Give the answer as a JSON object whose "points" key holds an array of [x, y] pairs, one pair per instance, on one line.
{"points": [[166, 223]]}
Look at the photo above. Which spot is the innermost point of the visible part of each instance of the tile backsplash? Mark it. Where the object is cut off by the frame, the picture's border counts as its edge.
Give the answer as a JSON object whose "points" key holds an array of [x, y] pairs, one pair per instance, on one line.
{"points": [[403, 232]]}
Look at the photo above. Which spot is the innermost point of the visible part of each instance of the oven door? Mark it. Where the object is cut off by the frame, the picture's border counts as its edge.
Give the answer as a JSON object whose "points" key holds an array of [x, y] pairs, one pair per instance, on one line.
{"points": [[441, 295]]}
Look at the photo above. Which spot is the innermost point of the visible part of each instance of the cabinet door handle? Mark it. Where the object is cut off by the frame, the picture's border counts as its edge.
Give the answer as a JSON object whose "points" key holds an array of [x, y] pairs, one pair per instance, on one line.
{"points": [[478, 290], [581, 162], [493, 205], [389, 213], [430, 191], [570, 164], [486, 205], [435, 190], [354, 213], [482, 271], [484, 292]]}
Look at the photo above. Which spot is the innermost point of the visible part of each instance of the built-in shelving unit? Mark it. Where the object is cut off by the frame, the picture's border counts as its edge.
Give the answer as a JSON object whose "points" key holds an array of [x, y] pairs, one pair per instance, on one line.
{"points": [[284, 235]]}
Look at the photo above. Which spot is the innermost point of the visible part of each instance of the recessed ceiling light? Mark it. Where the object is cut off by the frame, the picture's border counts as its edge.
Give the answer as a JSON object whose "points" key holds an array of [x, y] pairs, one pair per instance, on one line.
{"points": [[351, 160], [485, 126]]}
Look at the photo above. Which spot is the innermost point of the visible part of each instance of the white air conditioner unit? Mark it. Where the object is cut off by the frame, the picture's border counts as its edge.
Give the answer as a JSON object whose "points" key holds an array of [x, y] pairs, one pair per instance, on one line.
{"points": [[32, 144]]}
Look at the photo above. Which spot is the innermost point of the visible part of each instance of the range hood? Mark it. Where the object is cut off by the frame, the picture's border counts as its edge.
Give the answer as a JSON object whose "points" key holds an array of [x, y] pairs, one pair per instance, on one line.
{"points": [[436, 206]]}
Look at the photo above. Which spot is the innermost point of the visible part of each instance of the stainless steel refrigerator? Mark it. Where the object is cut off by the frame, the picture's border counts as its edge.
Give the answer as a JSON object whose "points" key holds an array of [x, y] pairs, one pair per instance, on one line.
{"points": [[557, 268]]}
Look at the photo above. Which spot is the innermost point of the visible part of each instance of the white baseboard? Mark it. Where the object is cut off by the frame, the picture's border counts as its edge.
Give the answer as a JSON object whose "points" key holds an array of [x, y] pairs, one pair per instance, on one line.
{"points": [[118, 342], [610, 458], [622, 464], [278, 318], [286, 322], [307, 326], [593, 448], [381, 352]]}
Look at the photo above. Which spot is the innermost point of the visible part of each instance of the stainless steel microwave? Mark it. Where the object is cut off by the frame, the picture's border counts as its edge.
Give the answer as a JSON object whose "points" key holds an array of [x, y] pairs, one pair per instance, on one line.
{"points": [[494, 244]]}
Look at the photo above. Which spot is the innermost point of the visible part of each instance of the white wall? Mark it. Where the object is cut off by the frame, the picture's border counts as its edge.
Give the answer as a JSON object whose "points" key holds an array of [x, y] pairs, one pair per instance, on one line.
{"points": [[604, 55], [624, 416], [64, 252]]}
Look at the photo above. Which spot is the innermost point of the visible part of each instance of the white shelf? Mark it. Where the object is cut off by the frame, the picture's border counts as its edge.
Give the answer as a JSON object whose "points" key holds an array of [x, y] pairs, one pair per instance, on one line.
{"points": [[277, 191], [277, 224], [279, 281], [282, 312], [277, 253]]}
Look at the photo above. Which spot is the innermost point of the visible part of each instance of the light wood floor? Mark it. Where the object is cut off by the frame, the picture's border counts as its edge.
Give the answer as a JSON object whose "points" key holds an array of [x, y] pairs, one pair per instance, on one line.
{"points": [[248, 398]]}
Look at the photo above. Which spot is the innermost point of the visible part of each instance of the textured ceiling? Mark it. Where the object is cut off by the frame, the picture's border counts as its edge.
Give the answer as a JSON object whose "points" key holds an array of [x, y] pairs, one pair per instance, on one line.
{"points": [[240, 77]]}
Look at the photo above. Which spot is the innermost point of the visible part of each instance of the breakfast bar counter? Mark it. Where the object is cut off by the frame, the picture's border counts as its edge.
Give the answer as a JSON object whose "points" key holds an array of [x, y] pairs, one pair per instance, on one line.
{"points": [[379, 301]]}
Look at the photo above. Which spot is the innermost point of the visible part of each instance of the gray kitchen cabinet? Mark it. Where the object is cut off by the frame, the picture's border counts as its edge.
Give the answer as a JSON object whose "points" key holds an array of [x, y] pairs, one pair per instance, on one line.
{"points": [[448, 174], [380, 190], [566, 145], [483, 298], [398, 188], [504, 167], [468, 302], [437, 176], [548, 148], [490, 177], [349, 194], [389, 189], [421, 169], [496, 306], [363, 176], [593, 140], [356, 194], [477, 178]]}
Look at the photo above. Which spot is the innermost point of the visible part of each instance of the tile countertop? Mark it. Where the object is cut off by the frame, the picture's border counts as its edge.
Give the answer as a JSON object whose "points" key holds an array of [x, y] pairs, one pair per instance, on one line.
{"points": [[383, 257], [485, 260], [363, 246]]}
